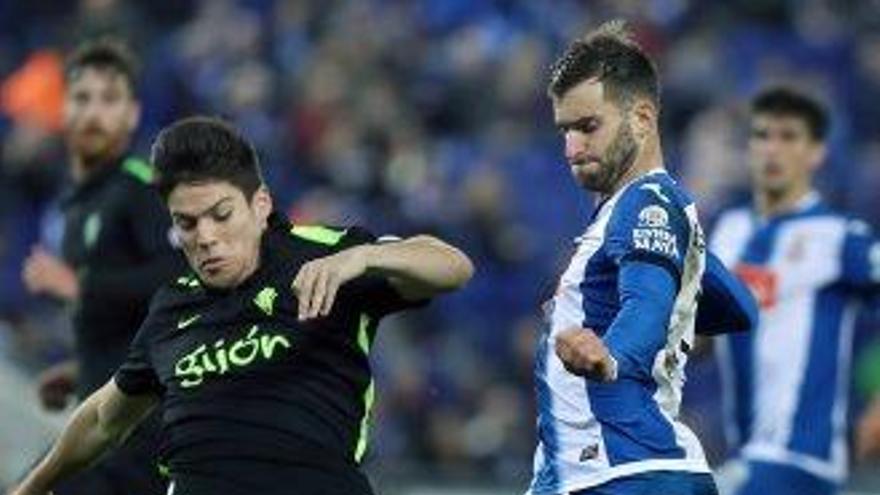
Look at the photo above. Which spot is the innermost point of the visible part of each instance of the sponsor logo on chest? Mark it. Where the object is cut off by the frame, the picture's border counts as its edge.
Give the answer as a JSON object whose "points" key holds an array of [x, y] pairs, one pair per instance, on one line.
{"points": [[222, 357]]}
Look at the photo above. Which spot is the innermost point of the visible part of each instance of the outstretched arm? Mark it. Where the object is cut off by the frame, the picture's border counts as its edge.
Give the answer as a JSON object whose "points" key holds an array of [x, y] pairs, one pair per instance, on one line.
{"points": [[418, 268], [100, 423]]}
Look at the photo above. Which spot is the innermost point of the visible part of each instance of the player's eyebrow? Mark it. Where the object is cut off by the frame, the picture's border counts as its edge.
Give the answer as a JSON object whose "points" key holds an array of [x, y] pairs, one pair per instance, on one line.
{"points": [[193, 216], [579, 123]]}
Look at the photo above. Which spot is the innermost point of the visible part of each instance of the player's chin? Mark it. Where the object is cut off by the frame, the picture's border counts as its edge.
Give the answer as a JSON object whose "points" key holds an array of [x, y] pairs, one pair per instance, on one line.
{"points": [[775, 185], [587, 176], [218, 279]]}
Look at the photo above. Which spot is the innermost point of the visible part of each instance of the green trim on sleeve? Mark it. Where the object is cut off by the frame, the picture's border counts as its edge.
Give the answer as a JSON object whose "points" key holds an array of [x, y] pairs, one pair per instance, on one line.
{"points": [[318, 234], [139, 169]]}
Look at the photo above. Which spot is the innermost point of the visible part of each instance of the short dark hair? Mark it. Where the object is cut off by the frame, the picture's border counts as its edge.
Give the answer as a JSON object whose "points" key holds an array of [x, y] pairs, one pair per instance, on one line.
{"points": [[789, 102], [205, 149], [104, 53], [610, 54]]}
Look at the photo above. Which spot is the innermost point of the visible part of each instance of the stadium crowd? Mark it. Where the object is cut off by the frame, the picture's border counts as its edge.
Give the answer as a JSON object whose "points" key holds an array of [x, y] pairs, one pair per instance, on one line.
{"points": [[430, 115]]}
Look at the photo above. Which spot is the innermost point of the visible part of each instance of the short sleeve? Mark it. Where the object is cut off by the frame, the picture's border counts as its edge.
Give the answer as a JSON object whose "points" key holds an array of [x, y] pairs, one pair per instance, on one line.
{"points": [[861, 257], [374, 293], [136, 375], [648, 225]]}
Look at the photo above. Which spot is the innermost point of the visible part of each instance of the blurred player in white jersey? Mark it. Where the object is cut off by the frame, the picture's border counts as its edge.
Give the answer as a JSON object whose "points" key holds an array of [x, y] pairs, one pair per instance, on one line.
{"points": [[809, 266], [610, 364]]}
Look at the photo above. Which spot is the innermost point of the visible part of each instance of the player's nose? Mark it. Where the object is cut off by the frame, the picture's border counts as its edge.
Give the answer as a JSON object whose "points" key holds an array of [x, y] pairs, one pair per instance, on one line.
{"points": [[206, 234], [575, 146]]}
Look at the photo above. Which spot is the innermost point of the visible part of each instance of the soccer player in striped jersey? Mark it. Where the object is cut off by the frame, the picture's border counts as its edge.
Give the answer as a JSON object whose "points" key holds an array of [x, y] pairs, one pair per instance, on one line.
{"points": [[610, 363], [808, 265]]}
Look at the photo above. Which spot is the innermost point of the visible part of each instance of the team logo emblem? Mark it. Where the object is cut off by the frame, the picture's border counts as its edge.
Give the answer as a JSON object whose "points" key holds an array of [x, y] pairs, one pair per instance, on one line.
{"points": [[589, 453], [265, 300], [653, 217]]}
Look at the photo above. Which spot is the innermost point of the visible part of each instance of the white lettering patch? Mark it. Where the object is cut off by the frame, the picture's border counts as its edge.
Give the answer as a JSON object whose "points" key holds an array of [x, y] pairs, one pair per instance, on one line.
{"points": [[656, 240]]}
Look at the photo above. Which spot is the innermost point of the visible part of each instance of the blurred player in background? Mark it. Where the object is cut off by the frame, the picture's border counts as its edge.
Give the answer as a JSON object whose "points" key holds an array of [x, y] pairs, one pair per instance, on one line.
{"points": [[808, 265], [116, 250], [261, 355], [625, 309]]}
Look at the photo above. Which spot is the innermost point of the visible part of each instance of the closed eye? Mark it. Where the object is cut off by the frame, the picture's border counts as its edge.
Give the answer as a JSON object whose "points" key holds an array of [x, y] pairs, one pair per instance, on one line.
{"points": [[222, 216], [184, 222]]}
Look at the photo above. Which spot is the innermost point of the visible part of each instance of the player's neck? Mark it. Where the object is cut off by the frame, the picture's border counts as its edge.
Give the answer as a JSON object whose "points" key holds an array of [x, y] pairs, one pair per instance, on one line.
{"points": [[771, 204], [649, 158], [82, 168], [252, 266]]}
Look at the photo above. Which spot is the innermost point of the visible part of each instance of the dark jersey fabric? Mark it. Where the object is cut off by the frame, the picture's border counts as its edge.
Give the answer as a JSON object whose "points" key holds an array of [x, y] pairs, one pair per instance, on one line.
{"points": [[116, 237], [247, 388]]}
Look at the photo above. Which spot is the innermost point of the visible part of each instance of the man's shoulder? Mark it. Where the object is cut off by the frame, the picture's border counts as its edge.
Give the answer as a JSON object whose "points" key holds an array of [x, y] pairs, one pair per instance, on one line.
{"points": [[180, 291], [137, 171], [312, 240], [133, 182], [319, 236], [655, 188], [654, 199]]}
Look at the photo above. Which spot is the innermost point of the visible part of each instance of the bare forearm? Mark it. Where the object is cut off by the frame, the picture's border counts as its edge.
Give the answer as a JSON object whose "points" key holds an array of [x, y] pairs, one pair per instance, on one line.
{"points": [[421, 263], [82, 442], [99, 424]]}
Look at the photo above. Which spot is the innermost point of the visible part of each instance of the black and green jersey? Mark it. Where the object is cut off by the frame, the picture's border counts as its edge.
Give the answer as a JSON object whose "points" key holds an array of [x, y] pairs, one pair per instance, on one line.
{"points": [[116, 237], [245, 385]]}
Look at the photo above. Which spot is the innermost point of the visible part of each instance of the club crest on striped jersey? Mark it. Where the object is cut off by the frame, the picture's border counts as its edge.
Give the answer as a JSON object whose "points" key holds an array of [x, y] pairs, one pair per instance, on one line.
{"points": [[654, 234], [654, 217]]}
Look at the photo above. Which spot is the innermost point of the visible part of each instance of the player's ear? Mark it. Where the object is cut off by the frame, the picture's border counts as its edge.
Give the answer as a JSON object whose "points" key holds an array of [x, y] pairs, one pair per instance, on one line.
{"points": [[262, 205], [643, 118]]}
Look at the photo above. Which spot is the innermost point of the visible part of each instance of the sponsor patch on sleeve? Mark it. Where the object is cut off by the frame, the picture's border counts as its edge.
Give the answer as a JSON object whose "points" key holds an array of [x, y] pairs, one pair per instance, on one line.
{"points": [[654, 234]]}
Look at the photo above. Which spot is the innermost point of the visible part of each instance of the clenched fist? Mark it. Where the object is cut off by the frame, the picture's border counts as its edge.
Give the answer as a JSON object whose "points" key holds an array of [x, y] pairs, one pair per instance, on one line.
{"points": [[583, 353]]}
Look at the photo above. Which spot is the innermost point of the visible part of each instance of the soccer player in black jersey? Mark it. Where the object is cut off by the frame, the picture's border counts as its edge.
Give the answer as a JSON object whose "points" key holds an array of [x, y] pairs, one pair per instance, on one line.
{"points": [[116, 252], [260, 355]]}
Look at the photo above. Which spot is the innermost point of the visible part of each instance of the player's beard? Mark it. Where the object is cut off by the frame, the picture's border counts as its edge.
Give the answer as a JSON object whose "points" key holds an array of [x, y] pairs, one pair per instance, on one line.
{"points": [[617, 160], [95, 145]]}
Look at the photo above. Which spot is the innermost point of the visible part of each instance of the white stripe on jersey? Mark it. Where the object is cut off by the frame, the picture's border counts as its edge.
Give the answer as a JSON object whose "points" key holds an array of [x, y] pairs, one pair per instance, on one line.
{"points": [[670, 380]]}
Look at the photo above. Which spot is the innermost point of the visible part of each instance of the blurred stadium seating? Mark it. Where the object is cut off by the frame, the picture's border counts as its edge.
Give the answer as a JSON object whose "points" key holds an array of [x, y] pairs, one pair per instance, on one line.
{"points": [[426, 115]]}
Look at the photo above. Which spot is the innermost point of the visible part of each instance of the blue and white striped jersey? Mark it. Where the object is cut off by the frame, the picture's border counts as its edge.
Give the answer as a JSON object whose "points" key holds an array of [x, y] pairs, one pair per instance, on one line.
{"points": [[590, 432], [786, 383]]}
